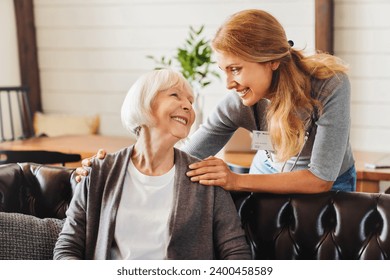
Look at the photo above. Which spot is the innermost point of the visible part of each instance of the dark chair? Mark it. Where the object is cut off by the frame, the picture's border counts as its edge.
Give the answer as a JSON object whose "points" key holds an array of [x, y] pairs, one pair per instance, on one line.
{"points": [[15, 114], [16, 124], [42, 157]]}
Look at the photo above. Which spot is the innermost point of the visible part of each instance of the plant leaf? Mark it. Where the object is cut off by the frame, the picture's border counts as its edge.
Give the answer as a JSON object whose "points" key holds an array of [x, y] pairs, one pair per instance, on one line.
{"points": [[194, 58]]}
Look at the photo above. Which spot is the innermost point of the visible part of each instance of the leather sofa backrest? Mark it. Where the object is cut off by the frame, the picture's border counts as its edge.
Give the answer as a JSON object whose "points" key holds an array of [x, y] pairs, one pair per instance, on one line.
{"points": [[331, 225], [40, 190]]}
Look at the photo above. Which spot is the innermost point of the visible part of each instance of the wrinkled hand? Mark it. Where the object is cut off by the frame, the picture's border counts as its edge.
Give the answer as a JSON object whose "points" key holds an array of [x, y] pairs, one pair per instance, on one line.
{"points": [[213, 171], [81, 172]]}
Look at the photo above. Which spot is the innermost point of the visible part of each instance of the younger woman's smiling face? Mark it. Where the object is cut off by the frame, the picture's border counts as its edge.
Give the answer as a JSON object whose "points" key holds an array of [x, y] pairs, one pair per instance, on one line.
{"points": [[250, 80], [172, 112]]}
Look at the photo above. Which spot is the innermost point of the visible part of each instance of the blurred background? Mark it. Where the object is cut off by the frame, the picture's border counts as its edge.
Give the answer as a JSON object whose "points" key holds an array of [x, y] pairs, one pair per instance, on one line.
{"points": [[91, 51]]}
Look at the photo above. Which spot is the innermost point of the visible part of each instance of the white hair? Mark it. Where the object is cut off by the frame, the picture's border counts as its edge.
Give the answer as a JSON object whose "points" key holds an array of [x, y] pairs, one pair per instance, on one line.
{"points": [[136, 108]]}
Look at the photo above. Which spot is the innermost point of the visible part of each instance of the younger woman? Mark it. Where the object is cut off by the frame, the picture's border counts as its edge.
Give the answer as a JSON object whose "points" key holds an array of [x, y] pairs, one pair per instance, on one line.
{"points": [[297, 108]]}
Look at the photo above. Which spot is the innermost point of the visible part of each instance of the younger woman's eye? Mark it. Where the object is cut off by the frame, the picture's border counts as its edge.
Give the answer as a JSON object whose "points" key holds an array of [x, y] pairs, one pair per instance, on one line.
{"points": [[235, 70]]}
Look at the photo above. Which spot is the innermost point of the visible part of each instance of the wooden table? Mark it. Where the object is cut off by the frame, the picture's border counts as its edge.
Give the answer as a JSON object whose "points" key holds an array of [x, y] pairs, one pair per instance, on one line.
{"points": [[88, 145], [85, 145], [367, 179]]}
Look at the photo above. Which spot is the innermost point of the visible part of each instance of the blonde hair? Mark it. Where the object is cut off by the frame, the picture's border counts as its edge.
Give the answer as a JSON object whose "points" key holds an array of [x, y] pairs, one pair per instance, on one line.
{"points": [[256, 36], [136, 109]]}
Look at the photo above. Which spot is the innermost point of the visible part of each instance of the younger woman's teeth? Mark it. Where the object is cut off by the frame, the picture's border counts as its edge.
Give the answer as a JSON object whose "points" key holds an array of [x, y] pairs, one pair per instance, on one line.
{"points": [[243, 93]]}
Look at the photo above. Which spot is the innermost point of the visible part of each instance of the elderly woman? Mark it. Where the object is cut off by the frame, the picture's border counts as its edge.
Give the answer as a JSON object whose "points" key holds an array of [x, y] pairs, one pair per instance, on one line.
{"points": [[138, 203]]}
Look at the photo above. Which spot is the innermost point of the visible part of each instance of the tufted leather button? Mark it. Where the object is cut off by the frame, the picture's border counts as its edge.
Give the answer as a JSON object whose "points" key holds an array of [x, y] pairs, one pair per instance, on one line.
{"points": [[331, 225], [40, 190]]}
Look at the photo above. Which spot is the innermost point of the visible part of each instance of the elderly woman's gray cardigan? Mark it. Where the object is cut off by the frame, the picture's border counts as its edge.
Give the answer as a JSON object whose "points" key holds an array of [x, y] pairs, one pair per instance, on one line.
{"points": [[203, 224]]}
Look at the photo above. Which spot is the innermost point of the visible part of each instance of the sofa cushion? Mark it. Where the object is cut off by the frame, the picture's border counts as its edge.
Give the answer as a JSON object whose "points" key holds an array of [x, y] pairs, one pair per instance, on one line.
{"points": [[47, 124], [26, 237], [42, 191]]}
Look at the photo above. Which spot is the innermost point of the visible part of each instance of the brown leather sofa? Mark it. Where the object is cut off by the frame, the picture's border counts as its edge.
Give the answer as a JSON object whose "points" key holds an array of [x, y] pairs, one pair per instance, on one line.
{"points": [[332, 225], [42, 191], [33, 202]]}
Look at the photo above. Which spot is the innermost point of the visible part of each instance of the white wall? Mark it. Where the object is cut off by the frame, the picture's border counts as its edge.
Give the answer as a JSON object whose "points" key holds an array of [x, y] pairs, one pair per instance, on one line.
{"points": [[9, 59], [362, 38], [91, 51]]}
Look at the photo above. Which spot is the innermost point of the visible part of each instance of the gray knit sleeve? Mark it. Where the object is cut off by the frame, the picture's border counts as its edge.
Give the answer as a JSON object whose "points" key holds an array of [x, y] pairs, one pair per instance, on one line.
{"points": [[226, 118], [71, 240], [331, 152], [229, 235]]}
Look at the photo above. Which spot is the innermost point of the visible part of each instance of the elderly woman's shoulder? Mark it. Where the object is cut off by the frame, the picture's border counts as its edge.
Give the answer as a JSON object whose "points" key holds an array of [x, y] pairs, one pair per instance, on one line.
{"points": [[119, 156], [185, 157]]}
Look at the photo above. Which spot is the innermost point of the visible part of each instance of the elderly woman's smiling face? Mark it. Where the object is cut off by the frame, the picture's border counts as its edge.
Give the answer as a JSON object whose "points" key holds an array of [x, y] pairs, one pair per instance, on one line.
{"points": [[172, 112]]}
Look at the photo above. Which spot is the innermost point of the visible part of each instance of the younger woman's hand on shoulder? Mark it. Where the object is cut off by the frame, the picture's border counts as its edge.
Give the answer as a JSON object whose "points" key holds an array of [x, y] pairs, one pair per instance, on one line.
{"points": [[81, 171], [213, 171]]}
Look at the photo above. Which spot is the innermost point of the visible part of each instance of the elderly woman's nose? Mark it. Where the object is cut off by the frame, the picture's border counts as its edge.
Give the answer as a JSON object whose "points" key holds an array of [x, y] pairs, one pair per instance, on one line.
{"points": [[187, 105]]}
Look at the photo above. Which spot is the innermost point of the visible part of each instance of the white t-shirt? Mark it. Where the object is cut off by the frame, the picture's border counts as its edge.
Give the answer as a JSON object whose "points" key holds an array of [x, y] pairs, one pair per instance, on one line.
{"points": [[141, 228]]}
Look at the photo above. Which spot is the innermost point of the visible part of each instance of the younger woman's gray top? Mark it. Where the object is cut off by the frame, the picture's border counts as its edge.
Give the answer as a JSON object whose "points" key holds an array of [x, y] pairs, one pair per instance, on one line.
{"points": [[327, 152]]}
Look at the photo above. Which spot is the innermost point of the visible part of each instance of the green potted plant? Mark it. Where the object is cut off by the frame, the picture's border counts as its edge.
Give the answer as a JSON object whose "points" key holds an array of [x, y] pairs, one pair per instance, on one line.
{"points": [[194, 61]]}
